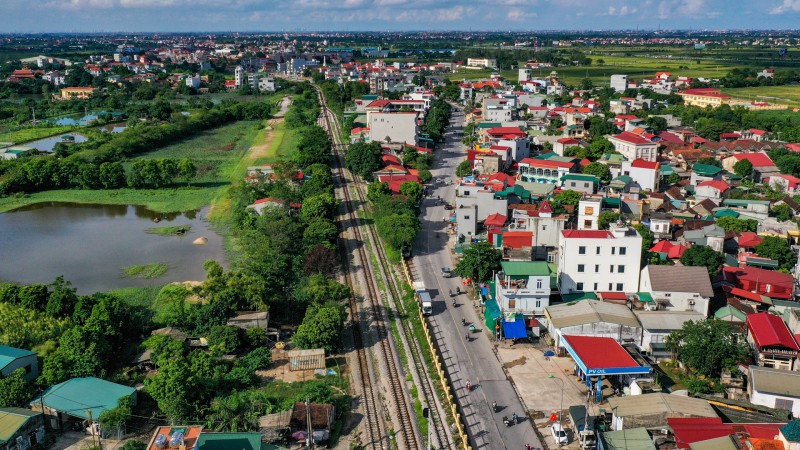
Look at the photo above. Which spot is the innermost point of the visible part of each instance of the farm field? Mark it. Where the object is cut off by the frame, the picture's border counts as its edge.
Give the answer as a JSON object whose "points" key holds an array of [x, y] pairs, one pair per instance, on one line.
{"points": [[32, 134], [774, 94]]}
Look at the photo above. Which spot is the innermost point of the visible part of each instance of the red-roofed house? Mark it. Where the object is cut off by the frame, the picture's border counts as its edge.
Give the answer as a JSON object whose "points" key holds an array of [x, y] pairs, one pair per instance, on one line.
{"points": [[632, 146], [495, 220], [715, 190], [689, 430], [517, 239], [772, 342], [784, 183], [502, 132], [564, 143], [761, 281], [262, 203], [749, 240], [763, 166], [643, 172], [395, 181]]}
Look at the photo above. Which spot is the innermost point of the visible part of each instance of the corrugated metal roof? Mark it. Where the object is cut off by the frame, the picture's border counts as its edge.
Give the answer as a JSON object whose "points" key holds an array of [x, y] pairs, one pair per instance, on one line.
{"points": [[691, 279], [659, 403], [775, 381], [523, 268], [591, 311], [633, 439], [11, 420], [10, 354], [78, 395], [667, 320]]}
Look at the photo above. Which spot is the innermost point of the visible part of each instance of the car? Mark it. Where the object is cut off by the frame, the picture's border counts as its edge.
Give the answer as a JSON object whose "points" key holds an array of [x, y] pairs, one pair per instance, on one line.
{"points": [[446, 272], [448, 206], [559, 434]]}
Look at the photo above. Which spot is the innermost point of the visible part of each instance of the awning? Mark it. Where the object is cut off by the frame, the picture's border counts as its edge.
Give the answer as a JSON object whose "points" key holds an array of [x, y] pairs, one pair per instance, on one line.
{"points": [[515, 329]]}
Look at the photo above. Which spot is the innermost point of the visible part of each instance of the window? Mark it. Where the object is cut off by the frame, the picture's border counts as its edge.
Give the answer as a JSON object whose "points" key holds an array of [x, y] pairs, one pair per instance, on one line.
{"points": [[579, 286], [595, 287], [587, 223], [538, 303], [597, 251], [596, 268], [785, 404], [613, 250], [544, 227], [573, 184], [28, 369], [612, 268], [623, 251], [586, 185], [512, 303], [621, 269], [619, 286], [538, 284], [580, 268], [551, 258], [610, 285], [466, 217], [589, 210], [581, 250]]}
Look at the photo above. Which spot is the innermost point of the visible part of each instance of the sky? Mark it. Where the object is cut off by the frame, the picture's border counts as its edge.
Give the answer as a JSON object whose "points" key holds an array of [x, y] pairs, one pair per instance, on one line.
{"points": [[38, 16]]}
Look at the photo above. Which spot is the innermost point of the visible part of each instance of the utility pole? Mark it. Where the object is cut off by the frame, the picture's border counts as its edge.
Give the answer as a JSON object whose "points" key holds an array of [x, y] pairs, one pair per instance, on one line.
{"points": [[91, 425], [308, 425]]}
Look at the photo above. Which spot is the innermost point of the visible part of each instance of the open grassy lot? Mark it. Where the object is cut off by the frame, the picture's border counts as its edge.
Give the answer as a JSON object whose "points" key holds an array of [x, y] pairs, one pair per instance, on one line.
{"points": [[159, 200], [789, 95], [637, 67], [32, 134]]}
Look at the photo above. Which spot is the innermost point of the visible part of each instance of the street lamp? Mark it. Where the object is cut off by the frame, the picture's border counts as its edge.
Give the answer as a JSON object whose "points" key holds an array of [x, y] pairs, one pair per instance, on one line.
{"points": [[560, 407]]}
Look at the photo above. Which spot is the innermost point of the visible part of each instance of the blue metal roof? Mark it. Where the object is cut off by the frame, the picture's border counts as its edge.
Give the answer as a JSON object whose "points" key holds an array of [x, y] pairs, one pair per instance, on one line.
{"points": [[79, 395], [10, 354], [515, 329]]}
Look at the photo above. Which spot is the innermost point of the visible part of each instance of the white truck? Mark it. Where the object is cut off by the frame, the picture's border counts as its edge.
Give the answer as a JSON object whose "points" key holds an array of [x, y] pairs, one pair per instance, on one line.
{"points": [[425, 301], [583, 426]]}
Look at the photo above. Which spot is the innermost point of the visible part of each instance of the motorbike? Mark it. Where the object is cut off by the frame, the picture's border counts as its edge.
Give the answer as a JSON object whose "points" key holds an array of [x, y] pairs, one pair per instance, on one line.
{"points": [[506, 421], [463, 321], [514, 418], [494, 406]]}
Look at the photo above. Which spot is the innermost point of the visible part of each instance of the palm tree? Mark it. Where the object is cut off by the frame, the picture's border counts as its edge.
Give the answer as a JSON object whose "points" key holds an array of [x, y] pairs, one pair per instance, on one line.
{"points": [[232, 413]]}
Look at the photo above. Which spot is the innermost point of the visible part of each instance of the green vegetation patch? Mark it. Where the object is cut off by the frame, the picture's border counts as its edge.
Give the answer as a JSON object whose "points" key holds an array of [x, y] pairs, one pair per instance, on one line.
{"points": [[171, 230], [31, 134], [146, 271]]}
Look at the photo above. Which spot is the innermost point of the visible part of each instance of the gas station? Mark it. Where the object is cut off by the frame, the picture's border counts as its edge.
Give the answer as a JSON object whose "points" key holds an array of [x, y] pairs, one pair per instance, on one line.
{"points": [[598, 357]]}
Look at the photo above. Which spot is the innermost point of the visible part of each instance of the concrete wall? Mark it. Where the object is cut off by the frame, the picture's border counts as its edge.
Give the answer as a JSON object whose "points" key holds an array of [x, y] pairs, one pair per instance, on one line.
{"points": [[768, 400]]}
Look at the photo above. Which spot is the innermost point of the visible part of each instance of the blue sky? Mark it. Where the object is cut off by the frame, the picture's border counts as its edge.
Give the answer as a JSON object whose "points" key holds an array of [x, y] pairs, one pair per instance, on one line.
{"points": [[384, 15]]}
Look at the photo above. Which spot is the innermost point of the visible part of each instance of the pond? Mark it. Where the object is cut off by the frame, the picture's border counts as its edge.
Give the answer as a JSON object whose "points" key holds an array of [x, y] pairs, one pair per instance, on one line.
{"points": [[47, 144], [85, 120], [90, 245]]}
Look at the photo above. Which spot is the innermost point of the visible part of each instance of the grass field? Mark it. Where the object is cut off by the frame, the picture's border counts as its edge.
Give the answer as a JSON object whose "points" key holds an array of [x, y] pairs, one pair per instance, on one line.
{"points": [[172, 230], [789, 95], [145, 271], [637, 68], [32, 134], [159, 200], [282, 145]]}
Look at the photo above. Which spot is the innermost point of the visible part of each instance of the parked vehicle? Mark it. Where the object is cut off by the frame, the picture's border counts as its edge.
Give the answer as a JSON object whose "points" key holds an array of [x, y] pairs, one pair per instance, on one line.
{"points": [[446, 272], [559, 434], [583, 426]]}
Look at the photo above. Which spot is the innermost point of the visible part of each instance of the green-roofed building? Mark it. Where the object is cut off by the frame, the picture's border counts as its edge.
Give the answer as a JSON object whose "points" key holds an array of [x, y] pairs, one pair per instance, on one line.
{"points": [[791, 431], [12, 359], [555, 157], [524, 287], [620, 183], [725, 212], [666, 170], [232, 441], [730, 314], [706, 170], [633, 439], [20, 424], [488, 125], [78, 396], [613, 159], [519, 191], [369, 97], [537, 190], [580, 182]]}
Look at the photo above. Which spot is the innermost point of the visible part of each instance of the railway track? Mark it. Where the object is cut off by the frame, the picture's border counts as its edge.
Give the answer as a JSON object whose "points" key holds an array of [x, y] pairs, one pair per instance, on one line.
{"points": [[371, 312]]}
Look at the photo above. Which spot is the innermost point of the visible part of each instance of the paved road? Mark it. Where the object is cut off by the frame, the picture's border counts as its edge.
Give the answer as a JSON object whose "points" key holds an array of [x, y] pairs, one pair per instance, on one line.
{"points": [[473, 361]]}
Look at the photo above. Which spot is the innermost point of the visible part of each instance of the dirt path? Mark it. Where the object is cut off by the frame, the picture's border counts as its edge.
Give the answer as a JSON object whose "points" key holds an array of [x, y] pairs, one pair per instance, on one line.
{"points": [[260, 150]]}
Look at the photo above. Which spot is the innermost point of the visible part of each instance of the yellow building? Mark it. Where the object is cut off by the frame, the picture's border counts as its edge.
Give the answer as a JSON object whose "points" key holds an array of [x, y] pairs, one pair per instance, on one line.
{"points": [[81, 93], [703, 97]]}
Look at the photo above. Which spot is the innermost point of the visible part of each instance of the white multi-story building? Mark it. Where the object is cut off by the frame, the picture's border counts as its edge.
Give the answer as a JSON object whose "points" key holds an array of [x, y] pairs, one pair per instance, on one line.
{"points": [[644, 173], [599, 260], [523, 287], [482, 62], [632, 146], [474, 203], [619, 83], [193, 81], [589, 213], [239, 76], [394, 127]]}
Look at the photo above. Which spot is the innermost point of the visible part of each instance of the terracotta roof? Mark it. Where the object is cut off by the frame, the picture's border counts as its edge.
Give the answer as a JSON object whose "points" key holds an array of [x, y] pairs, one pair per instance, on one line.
{"points": [[749, 239], [533, 162], [632, 138], [644, 164], [716, 184], [587, 234], [496, 219], [756, 159]]}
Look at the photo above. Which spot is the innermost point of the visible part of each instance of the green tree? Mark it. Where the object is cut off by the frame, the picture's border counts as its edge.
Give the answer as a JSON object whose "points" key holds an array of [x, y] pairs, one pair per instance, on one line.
{"points": [[710, 161], [774, 247], [701, 255], [318, 289], [398, 230], [319, 206], [62, 299], [363, 158], [133, 444], [116, 417], [567, 197], [673, 179], [599, 170], [782, 212], [225, 339], [112, 175], [377, 191], [736, 224], [320, 231], [464, 168], [232, 413], [743, 168], [258, 359], [607, 218], [479, 262], [707, 347], [321, 328], [14, 390], [648, 239], [412, 191], [187, 170], [174, 388]]}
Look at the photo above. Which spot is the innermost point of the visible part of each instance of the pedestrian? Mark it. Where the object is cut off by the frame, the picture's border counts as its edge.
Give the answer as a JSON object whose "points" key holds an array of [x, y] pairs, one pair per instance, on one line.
{"points": [[527, 446], [469, 387]]}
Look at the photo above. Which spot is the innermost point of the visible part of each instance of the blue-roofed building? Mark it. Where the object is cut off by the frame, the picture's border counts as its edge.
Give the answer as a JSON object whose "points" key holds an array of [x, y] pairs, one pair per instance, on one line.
{"points": [[80, 397], [12, 358]]}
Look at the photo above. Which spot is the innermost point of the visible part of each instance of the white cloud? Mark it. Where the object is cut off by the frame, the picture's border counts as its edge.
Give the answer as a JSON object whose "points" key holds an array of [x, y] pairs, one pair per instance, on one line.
{"points": [[621, 11], [787, 6], [518, 15]]}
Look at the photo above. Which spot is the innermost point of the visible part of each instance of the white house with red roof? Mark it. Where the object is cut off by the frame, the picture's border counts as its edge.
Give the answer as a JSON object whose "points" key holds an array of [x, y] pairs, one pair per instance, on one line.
{"points": [[643, 172], [394, 127], [268, 202], [632, 146], [543, 222], [599, 260], [715, 190], [784, 183], [475, 202], [564, 143], [773, 344]]}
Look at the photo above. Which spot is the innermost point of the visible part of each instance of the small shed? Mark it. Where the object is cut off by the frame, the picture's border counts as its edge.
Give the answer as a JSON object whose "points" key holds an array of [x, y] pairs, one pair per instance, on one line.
{"points": [[275, 427], [21, 428], [321, 415], [250, 319], [310, 359], [13, 359]]}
